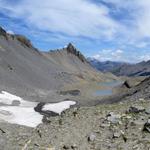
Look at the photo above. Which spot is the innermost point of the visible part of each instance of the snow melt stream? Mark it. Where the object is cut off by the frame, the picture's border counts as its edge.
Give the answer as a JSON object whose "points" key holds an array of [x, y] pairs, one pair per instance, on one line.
{"points": [[23, 113]]}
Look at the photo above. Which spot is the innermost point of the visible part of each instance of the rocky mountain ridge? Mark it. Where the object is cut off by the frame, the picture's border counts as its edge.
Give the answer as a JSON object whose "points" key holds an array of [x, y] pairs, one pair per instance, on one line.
{"points": [[123, 69]]}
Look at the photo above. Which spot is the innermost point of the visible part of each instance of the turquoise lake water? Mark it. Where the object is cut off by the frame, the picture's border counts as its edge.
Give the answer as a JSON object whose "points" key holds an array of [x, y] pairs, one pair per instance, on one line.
{"points": [[109, 88]]}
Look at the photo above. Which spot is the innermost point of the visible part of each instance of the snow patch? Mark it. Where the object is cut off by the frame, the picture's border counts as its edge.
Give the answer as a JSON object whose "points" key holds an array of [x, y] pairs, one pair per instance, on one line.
{"points": [[7, 98], [24, 113], [58, 107], [20, 115]]}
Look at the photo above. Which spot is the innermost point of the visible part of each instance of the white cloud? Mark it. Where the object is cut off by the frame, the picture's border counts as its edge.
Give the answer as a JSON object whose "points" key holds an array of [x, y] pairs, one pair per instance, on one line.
{"points": [[143, 19], [71, 17], [144, 57], [120, 55], [126, 24], [137, 17], [142, 44], [10, 32], [85, 18], [112, 55]]}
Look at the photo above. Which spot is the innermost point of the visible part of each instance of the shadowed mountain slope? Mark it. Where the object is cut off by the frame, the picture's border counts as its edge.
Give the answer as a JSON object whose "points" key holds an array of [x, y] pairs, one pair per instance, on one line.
{"points": [[137, 92], [106, 66], [122, 69], [141, 90], [139, 69]]}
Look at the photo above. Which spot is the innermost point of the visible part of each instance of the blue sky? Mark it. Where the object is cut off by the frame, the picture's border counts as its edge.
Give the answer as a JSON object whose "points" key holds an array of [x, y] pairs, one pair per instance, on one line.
{"points": [[117, 30]]}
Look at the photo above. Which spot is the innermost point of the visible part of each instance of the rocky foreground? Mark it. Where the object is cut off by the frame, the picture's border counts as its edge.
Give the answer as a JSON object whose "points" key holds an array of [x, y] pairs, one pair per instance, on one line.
{"points": [[122, 126]]}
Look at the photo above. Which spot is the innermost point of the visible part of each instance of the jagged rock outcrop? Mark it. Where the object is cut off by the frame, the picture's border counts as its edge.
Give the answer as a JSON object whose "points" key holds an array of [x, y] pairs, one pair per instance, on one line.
{"points": [[71, 49], [73, 62], [2, 31], [23, 40]]}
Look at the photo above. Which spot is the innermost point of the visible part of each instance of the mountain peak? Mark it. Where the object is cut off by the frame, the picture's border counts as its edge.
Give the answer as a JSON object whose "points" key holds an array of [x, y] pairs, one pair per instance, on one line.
{"points": [[72, 49]]}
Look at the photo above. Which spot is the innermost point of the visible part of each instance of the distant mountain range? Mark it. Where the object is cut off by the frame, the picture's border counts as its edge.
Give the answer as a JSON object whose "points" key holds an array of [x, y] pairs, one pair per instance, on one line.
{"points": [[121, 68], [106, 66]]}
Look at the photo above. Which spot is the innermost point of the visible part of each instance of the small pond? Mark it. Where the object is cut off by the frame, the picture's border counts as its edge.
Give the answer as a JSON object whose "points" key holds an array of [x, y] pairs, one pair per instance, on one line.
{"points": [[111, 83], [103, 92], [108, 88]]}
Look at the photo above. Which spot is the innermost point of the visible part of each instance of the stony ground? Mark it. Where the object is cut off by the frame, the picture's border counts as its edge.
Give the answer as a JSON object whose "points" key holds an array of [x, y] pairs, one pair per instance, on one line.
{"points": [[122, 126]]}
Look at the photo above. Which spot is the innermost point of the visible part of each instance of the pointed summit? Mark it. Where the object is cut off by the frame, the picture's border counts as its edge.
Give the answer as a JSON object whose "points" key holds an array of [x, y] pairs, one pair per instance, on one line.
{"points": [[72, 49]]}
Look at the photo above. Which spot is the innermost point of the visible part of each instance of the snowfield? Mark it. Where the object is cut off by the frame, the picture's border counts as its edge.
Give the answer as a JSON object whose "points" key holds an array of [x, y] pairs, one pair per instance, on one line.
{"points": [[58, 107], [23, 113], [7, 98]]}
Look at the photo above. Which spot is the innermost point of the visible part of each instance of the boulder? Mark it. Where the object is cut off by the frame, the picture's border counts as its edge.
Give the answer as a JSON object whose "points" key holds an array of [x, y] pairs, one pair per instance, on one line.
{"points": [[113, 118], [147, 126], [136, 109], [91, 137], [126, 84], [74, 146], [65, 147], [147, 111], [116, 134]]}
